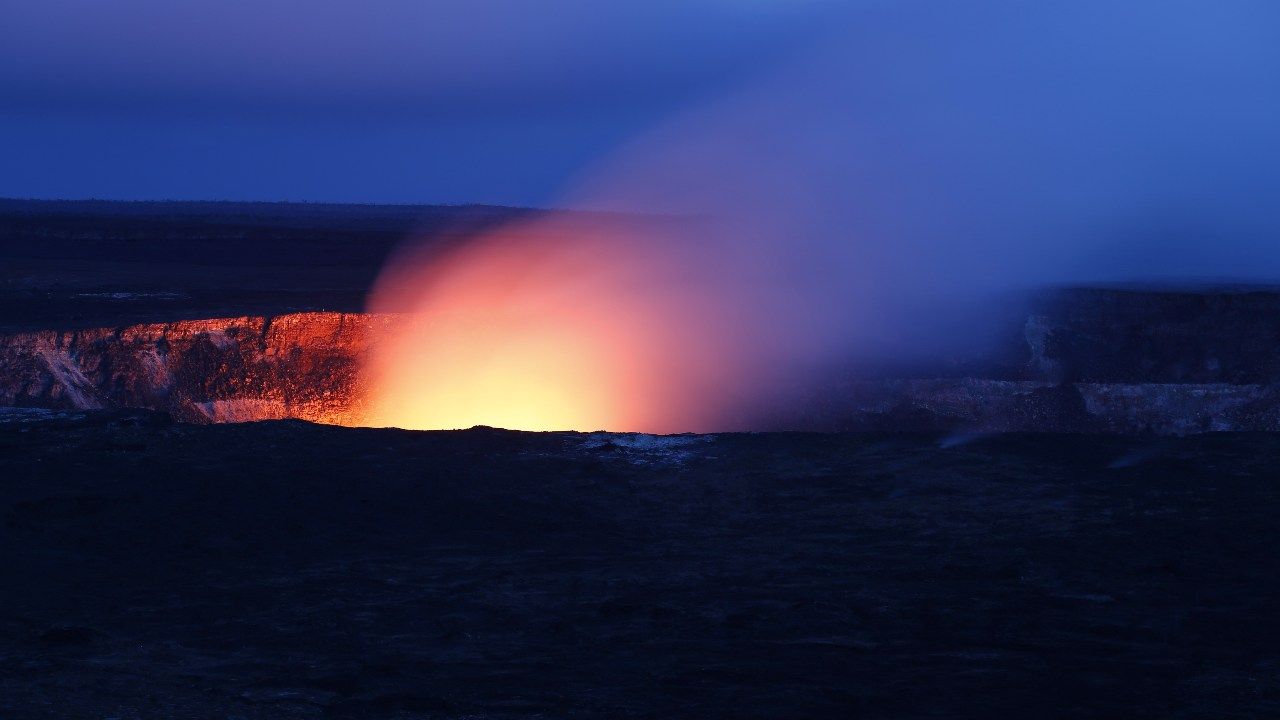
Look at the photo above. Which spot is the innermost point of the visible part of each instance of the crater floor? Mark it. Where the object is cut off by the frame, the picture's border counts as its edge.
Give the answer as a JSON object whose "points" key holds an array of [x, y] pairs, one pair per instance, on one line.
{"points": [[289, 570]]}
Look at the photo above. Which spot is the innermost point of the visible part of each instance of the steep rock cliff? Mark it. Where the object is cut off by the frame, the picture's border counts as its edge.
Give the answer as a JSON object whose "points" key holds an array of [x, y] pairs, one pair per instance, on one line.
{"points": [[304, 365], [1137, 335]]}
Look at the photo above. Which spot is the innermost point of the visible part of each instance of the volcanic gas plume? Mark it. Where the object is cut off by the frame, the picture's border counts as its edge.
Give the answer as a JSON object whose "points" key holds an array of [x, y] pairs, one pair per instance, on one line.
{"points": [[861, 199], [568, 322]]}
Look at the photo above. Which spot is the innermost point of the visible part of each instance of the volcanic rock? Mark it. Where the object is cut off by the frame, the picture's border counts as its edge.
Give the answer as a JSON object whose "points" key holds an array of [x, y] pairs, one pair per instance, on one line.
{"points": [[303, 365]]}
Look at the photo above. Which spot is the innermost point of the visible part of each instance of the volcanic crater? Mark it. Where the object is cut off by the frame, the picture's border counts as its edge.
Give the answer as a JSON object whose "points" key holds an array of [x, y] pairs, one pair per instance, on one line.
{"points": [[1109, 361], [89, 336], [283, 569]]}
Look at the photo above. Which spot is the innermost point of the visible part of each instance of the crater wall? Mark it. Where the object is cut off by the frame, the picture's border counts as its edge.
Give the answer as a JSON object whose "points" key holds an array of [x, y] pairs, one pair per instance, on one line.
{"points": [[1088, 360], [302, 365]]}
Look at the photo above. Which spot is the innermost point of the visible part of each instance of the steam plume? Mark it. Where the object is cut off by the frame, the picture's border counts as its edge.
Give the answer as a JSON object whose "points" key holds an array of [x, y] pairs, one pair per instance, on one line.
{"points": [[859, 201]]}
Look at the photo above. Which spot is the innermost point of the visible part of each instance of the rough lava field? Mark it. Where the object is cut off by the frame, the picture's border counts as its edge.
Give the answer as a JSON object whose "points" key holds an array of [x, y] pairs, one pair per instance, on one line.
{"points": [[288, 570]]}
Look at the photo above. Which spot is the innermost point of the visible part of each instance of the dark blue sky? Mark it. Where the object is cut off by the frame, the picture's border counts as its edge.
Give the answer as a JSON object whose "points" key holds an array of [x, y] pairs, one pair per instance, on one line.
{"points": [[496, 101]]}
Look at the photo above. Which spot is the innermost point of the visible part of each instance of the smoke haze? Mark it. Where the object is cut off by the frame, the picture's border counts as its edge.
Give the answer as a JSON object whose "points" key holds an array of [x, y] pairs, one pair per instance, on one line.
{"points": [[873, 196]]}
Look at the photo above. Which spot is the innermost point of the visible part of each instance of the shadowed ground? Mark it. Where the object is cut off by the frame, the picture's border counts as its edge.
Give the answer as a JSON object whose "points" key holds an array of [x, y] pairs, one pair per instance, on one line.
{"points": [[287, 570]]}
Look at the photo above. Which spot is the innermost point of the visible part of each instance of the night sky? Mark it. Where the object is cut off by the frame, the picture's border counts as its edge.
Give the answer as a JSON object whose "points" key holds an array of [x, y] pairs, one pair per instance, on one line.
{"points": [[910, 120], [496, 101]]}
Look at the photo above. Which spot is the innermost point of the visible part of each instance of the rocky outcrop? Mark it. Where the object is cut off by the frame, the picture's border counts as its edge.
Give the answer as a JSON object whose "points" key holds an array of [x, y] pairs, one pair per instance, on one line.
{"points": [[1118, 360], [982, 405], [1117, 335], [304, 365]]}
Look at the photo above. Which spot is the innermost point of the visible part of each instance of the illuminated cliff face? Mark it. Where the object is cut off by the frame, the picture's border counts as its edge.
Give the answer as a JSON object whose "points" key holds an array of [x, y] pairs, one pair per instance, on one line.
{"points": [[304, 365], [558, 325]]}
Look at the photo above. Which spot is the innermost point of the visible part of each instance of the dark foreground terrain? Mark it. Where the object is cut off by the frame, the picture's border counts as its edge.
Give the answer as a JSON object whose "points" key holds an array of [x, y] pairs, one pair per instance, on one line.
{"points": [[288, 570]]}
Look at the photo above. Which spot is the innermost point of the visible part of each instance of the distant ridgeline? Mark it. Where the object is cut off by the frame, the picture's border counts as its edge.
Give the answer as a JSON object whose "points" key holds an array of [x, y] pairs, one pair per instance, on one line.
{"points": [[89, 263]]}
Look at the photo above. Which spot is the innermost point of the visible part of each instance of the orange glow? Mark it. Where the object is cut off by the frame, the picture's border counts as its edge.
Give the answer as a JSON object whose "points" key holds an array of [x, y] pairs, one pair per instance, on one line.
{"points": [[553, 326]]}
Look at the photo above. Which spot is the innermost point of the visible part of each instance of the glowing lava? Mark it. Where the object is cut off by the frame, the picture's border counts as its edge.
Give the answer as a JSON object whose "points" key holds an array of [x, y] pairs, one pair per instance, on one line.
{"points": [[562, 324]]}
